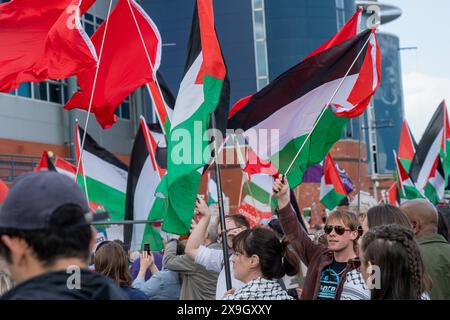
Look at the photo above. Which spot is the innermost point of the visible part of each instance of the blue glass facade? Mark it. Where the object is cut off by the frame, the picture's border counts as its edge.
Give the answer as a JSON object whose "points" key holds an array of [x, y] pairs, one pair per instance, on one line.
{"points": [[235, 31], [388, 103], [296, 28]]}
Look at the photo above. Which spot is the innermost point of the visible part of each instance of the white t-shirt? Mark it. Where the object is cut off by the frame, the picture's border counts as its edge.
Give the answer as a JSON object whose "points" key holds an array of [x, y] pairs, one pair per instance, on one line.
{"points": [[212, 260]]}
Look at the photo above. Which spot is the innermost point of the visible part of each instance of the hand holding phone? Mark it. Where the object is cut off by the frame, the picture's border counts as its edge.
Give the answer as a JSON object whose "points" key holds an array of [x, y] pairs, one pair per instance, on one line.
{"points": [[147, 247]]}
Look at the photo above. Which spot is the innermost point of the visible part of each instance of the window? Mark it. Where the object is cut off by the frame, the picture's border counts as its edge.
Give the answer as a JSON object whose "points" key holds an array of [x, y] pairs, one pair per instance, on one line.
{"points": [[24, 90], [340, 13], [259, 34], [123, 111], [258, 4]]}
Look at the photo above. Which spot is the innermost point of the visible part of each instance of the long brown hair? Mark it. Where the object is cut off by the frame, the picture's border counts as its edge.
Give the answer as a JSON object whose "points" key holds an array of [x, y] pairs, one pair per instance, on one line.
{"points": [[112, 261], [393, 249]]}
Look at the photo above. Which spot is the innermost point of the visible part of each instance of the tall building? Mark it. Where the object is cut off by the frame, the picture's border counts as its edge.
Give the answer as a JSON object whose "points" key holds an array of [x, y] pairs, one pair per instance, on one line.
{"points": [[384, 117]]}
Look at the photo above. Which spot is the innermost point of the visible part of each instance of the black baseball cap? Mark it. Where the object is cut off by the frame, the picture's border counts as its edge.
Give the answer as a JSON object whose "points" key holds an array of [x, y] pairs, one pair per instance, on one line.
{"points": [[34, 197]]}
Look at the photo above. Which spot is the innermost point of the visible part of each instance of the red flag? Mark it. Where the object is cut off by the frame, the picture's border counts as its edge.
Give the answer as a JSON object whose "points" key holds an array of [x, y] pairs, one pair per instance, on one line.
{"points": [[124, 64], [31, 49], [3, 191]]}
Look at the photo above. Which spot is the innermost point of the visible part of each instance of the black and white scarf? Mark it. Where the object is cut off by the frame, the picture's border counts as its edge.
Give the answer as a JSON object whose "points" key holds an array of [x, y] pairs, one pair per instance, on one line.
{"points": [[260, 289]]}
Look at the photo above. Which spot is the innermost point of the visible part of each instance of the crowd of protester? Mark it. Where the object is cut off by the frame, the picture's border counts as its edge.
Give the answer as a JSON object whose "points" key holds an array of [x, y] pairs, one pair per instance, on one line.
{"points": [[48, 250]]}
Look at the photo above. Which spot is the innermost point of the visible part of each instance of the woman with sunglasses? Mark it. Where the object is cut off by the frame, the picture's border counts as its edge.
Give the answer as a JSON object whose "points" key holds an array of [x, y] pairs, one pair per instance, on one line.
{"points": [[333, 269]]}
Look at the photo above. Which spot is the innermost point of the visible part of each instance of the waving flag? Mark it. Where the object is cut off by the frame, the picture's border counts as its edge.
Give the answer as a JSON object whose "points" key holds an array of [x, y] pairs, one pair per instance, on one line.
{"points": [[435, 187], [332, 190], [407, 146], [124, 64], [204, 90], [145, 173], [42, 40], [291, 104], [255, 163], [406, 187], [105, 175], [432, 144]]}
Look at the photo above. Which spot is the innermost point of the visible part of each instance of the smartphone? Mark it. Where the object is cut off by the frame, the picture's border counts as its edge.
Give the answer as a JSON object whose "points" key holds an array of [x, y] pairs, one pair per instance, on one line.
{"points": [[147, 247]]}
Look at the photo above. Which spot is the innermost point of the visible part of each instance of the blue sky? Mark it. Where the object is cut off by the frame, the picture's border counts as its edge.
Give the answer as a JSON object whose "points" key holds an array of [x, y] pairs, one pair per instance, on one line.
{"points": [[426, 71]]}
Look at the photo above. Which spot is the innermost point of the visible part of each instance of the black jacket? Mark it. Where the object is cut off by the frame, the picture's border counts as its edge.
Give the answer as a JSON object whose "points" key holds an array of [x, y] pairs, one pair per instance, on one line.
{"points": [[54, 286]]}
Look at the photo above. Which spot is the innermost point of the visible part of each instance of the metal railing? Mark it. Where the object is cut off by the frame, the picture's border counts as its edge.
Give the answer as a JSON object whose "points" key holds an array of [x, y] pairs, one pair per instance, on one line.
{"points": [[14, 165]]}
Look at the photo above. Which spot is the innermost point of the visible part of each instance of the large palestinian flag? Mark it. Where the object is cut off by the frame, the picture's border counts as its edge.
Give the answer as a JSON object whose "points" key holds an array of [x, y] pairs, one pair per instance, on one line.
{"points": [[433, 144], [101, 175], [332, 190], [407, 146], [435, 187], [145, 173], [290, 106], [203, 91]]}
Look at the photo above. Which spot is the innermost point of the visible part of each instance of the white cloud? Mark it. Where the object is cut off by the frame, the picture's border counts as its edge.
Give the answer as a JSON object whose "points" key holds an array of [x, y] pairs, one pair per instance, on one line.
{"points": [[423, 93]]}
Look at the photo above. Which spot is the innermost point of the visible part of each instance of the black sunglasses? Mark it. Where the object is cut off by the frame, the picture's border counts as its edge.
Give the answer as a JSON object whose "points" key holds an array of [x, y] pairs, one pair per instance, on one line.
{"points": [[340, 230]]}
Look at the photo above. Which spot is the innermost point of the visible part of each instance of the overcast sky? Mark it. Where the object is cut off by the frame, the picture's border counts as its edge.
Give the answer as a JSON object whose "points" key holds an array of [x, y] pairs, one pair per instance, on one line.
{"points": [[426, 71]]}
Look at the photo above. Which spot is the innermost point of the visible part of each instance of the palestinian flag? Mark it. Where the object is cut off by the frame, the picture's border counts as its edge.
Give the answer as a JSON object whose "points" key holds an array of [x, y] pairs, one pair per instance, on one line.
{"points": [[101, 175], [445, 147], [291, 105], [432, 144], [254, 164], [65, 167], [407, 146], [406, 187], [332, 190], [393, 195], [435, 187], [145, 173], [204, 90]]}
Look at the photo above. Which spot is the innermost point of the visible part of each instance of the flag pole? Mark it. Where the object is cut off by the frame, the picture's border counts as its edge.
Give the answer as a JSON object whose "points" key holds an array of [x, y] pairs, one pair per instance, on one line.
{"points": [[93, 89], [226, 259], [359, 164], [241, 189], [152, 69], [326, 106], [245, 178]]}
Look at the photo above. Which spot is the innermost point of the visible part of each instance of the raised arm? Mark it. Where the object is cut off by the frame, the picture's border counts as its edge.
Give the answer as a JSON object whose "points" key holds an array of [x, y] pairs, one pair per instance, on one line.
{"points": [[299, 240], [197, 237]]}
